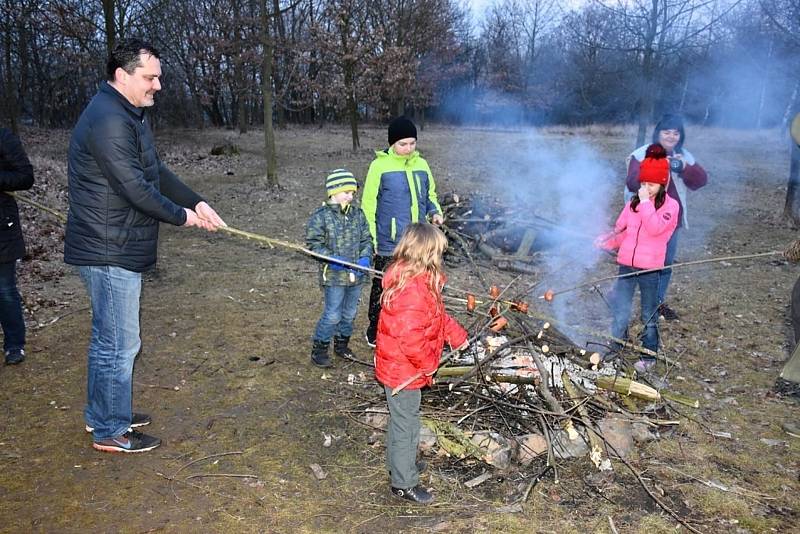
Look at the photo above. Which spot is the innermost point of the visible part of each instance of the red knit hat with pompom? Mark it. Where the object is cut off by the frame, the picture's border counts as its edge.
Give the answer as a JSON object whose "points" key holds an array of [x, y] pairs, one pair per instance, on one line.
{"points": [[655, 166]]}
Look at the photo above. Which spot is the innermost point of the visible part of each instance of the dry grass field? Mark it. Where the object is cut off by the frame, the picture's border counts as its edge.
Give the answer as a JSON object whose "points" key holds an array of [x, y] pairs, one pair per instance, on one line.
{"points": [[226, 329]]}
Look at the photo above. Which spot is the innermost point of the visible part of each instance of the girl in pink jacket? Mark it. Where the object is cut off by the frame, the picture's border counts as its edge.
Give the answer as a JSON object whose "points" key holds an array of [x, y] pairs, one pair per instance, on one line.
{"points": [[641, 233]]}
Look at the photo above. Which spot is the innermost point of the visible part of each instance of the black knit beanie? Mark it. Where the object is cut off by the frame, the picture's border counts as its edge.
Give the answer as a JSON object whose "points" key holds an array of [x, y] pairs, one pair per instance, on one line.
{"points": [[401, 128]]}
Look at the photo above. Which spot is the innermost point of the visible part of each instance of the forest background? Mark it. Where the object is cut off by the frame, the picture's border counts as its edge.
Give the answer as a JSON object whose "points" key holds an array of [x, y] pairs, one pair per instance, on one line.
{"points": [[727, 63]]}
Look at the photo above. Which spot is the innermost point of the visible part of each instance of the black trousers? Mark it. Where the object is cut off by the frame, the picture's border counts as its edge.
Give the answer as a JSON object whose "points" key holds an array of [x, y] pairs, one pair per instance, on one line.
{"points": [[375, 293], [796, 310]]}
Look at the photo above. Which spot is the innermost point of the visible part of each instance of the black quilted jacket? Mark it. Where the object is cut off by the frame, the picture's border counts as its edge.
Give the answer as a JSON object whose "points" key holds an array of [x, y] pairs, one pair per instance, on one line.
{"points": [[119, 189], [16, 174]]}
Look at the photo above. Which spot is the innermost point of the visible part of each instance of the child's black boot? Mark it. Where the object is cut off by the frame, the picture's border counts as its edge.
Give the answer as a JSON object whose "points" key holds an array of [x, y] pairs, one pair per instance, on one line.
{"points": [[341, 349], [319, 353], [417, 494]]}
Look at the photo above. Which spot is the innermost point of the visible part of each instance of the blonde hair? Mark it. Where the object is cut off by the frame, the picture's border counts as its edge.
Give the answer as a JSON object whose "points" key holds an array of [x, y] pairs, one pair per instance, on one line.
{"points": [[419, 251]]}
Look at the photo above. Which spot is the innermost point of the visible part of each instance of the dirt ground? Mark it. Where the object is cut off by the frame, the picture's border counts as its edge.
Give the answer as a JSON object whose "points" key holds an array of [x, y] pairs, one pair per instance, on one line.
{"points": [[225, 372]]}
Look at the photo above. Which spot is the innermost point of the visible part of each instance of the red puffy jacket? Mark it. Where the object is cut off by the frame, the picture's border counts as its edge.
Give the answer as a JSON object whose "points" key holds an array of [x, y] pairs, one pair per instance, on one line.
{"points": [[412, 331]]}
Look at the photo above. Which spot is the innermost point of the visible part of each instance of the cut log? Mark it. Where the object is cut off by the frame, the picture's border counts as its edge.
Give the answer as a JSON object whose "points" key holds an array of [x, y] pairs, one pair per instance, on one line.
{"points": [[596, 454], [680, 399], [524, 248], [626, 386]]}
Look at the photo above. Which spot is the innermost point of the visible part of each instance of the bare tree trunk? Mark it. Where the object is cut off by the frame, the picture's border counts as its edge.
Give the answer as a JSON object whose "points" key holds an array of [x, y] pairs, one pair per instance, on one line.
{"points": [[645, 98], [280, 36], [108, 16], [352, 107], [11, 97], [763, 91], [240, 86], [790, 106], [646, 89], [270, 179], [684, 92]]}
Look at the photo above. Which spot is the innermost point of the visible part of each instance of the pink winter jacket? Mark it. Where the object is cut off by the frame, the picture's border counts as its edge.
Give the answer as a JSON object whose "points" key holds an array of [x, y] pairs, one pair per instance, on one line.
{"points": [[642, 235]]}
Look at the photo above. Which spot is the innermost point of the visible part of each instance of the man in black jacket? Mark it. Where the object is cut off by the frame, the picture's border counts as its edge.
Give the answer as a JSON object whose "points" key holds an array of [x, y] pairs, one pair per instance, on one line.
{"points": [[119, 191], [16, 173]]}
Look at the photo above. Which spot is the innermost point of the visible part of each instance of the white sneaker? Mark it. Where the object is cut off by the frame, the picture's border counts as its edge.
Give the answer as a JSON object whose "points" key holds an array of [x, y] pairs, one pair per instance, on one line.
{"points": [[371, 343]]}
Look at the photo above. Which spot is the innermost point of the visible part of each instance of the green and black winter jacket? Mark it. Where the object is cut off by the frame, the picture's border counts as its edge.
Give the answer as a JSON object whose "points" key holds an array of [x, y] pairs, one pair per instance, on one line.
{"points": [[334, 230], [398, 191]]}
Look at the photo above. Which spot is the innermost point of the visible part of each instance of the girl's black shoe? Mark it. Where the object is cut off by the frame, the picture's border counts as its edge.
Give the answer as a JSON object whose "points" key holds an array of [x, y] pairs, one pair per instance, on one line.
{"points": [[417, 494]]}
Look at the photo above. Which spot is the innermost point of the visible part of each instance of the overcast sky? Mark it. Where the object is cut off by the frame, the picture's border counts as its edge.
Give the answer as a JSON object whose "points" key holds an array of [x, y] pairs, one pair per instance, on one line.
{"points": [[477, 7]]}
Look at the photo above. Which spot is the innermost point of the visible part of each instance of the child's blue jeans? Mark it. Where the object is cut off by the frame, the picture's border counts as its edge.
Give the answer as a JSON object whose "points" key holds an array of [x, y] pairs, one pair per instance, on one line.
{"points": [[341, 305], [622, 302], [665, 275]]}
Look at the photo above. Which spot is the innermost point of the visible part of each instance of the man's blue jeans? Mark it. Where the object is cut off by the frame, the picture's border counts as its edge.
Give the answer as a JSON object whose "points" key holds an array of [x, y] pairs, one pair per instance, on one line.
{"points": [[341, 305], [11, 308], [622, 303], [665, 275], [114, 293]]}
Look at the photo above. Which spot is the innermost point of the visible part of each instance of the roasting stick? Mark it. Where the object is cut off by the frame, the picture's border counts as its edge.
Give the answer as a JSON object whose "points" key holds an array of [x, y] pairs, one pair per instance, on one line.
{"points": [[419, 375], [57, 214], [271, 242], [549, 294], [294, 246]]}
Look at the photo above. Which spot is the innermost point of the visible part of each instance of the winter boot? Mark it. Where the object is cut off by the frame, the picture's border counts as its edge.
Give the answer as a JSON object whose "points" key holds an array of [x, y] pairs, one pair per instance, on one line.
{"points": [[341, 349], [319, 354]]}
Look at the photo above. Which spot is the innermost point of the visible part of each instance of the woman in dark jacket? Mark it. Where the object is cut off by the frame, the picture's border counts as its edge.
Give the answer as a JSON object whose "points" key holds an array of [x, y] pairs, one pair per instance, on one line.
{"points": [[16, 173]]}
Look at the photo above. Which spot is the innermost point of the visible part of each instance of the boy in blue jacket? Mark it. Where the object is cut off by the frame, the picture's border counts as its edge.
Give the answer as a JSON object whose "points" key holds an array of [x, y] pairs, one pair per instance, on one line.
{"points": [[399, 190]]}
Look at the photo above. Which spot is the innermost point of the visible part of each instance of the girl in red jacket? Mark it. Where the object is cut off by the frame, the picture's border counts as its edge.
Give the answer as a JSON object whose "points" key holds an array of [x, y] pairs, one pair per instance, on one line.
{"points": [[641, 233], [412, 329]]}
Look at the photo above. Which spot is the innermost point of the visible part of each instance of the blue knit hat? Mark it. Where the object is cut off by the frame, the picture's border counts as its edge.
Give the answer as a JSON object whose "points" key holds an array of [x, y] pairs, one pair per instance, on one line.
{"points": [[340, 180]]}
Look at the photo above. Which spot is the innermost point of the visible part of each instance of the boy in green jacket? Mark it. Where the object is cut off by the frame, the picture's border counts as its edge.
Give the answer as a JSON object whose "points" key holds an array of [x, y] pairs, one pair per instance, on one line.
{"points": [[399, 190]]}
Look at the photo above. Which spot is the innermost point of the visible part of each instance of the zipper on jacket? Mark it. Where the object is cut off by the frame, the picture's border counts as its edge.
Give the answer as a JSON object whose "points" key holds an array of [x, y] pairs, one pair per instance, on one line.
{"points": [[633, 254], [413, 190], [394, 228]]}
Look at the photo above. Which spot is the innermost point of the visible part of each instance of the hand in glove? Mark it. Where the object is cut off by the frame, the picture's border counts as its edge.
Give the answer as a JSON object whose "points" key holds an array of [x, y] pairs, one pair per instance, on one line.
{"points": [[363, 262], [338, 266]]}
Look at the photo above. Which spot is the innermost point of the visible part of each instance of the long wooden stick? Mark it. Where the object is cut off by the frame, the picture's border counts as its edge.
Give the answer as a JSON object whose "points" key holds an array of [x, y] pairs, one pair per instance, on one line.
{"points": [[58, 215], [231, 231], [673, 266], [294, 246], [443, 361]]}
